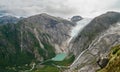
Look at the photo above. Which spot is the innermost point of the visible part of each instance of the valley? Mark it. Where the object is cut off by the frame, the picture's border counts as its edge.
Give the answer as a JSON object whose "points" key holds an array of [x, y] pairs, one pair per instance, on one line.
{"points": [[44, 43]]}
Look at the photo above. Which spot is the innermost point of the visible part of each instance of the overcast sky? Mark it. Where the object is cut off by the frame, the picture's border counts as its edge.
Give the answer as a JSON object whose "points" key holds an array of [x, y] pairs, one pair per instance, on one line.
{"points": [[61, 8]]}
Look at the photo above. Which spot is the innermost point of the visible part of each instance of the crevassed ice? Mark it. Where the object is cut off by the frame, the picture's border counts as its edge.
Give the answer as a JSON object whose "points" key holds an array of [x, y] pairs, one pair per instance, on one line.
{"points": [[80, 25]]}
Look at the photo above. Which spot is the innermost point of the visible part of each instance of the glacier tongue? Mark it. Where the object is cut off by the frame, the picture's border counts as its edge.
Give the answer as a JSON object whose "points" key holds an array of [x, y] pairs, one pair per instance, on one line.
{"points": [[80, 25], [74, 32]]}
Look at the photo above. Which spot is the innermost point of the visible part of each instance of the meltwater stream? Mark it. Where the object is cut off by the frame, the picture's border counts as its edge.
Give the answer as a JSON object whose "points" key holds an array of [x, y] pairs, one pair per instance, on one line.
{"points": [[80, 25]]}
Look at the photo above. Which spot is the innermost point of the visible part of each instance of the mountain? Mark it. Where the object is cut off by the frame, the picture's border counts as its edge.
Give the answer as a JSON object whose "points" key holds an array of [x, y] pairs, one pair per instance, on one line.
{"points": [[44, 43], [93, 29], [31, 41], [76, 18], [94, 42], [56, 27], [8, 19]]}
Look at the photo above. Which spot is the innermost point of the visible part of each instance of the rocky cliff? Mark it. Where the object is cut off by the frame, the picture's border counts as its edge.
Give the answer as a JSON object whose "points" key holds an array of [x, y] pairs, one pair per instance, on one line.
{"points": [[93, 29], [95, 41]]}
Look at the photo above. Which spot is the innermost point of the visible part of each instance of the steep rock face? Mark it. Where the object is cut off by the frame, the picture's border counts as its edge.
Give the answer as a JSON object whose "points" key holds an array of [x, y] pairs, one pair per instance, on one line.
{"points": [[95, 42], [57, 28], [93, 29], [31, 40], [99, 49]]}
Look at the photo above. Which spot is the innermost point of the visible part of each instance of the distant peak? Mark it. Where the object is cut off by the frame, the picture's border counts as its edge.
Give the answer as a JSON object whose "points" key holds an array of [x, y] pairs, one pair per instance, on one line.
{"points": [[45, 15], [76, 18], [8, 16]]}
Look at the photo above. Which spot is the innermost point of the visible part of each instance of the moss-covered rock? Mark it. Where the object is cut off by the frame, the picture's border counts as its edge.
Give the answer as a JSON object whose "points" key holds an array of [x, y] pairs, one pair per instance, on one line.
{"points": [[114, 60]]}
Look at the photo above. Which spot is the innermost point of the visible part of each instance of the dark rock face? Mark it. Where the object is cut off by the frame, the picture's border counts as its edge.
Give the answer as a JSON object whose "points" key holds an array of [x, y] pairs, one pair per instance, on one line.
{"points": [[8, 19], [114, 60], [76, 18], [103, 62]]}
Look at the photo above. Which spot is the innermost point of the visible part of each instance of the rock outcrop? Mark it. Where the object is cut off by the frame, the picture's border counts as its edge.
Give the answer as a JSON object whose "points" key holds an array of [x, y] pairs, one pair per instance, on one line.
{"points": [[76, 18], [114, 60]]}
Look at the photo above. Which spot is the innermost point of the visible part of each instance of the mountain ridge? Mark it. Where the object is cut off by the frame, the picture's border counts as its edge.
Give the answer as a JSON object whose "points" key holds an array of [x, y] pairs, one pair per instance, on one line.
{"points": [[93, 42], [33, 40]]}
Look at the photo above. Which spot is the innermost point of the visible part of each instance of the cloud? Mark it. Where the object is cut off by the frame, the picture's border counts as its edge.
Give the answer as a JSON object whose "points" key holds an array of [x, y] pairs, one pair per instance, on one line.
{"points": [[116, 5], [62, 8], [92, 8]]}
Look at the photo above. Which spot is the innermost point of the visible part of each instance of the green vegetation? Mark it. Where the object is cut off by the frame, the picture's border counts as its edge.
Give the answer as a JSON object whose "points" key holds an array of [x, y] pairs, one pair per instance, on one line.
{"points": [[49, 66], [114, 61], [12, 59], [50, 51]]}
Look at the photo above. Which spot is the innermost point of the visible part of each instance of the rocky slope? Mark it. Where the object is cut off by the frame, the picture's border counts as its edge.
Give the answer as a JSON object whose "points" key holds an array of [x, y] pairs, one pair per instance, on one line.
{"points": [[95, 42], [30, 41], [56, 27], [92, 30]]}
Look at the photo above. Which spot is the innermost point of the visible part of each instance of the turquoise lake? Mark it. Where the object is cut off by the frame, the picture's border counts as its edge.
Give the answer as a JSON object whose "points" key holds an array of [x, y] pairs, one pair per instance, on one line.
{"points": [[59, 57]]}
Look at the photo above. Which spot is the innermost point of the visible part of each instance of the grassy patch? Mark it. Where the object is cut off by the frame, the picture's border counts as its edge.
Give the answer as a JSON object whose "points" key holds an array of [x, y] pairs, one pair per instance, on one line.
{"points": [[114, 61], [50, 68], [47, 68]]}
